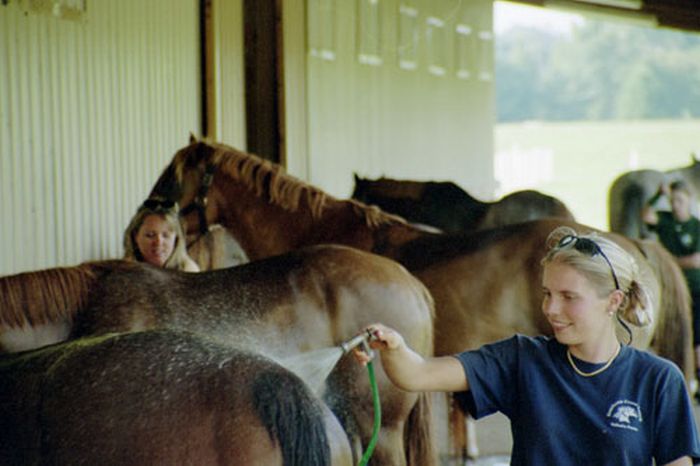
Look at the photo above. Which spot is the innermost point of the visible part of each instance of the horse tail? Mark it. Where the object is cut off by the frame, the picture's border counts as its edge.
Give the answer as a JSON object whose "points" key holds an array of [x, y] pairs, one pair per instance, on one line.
{"points": [[625, 203], [418, 434], [672, 338], [292, 417], [418, 431]]}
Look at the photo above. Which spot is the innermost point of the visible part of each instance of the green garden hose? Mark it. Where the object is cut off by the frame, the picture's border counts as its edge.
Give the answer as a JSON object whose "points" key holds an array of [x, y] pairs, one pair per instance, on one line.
{"points": [[377, 416]]}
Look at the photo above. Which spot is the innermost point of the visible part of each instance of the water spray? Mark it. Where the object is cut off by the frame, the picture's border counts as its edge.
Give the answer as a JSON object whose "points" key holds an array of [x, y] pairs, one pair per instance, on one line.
{"points": [[363, 339]]}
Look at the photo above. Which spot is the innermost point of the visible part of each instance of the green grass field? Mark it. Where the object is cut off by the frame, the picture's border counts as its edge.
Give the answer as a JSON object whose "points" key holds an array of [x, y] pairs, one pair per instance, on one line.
{"points": [[577, 162]]}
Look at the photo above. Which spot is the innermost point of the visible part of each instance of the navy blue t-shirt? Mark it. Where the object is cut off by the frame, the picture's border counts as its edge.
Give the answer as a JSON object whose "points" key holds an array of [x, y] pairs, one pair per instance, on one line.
{"points": [[635, 410]]}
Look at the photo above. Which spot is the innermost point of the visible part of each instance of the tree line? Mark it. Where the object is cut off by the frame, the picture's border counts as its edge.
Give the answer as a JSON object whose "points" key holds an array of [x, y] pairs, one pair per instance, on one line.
{"points": [[601, 71]]}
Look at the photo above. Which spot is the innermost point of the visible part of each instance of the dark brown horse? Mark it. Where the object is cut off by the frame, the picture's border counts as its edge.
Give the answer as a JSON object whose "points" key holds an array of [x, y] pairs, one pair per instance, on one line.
{"points": [[306, 300], [160, 397], [486, 285], [630, 191], [446, 206]]}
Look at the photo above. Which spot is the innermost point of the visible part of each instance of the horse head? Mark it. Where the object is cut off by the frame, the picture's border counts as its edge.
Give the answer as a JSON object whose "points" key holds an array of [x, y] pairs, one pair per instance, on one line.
{"points": [[215, 183], [187, 180], [360, 190]]}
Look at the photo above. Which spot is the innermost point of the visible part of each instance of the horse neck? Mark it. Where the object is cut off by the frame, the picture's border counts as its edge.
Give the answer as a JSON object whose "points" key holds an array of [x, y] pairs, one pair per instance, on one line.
{"points": [[391, 238], [264, 229]]}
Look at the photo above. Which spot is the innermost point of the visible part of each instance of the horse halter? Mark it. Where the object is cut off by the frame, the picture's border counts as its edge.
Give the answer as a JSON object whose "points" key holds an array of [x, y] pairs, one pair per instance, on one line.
{"points": [[200, 200]]}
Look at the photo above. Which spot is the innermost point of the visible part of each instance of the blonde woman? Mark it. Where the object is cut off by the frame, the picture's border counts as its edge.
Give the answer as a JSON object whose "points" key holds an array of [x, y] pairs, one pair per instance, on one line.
{"points": [[155, 236], [582, 397]]}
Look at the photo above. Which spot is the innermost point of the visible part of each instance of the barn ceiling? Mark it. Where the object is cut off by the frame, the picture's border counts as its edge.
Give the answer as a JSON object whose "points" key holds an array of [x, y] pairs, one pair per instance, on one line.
{"points": [[675, 14]]}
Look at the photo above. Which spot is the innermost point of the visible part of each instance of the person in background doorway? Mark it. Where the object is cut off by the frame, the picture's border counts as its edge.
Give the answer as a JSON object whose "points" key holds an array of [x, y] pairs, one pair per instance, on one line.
{"points": [[679, 232], [581, 397], [155, 236]]}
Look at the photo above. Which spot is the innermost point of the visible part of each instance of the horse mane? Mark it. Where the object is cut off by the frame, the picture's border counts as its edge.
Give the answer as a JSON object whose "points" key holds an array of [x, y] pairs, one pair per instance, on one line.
{"points": [[269, 180], [45, 296]]}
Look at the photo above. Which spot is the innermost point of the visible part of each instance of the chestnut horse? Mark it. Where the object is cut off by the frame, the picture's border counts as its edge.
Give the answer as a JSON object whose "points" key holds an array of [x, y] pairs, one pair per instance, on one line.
{"points": [[631, 190], [160, 397], [444, 205], [309, 299], [486, 285]]}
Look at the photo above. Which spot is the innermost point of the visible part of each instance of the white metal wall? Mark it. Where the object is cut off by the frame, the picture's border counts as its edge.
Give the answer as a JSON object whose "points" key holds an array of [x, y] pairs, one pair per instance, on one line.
{"points": [[229, 70], [92, 106], [402, 88]]}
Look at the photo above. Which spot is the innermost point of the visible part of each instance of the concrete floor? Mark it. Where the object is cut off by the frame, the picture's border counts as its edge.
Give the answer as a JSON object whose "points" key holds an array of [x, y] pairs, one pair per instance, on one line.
{"points": [[495, 441]]}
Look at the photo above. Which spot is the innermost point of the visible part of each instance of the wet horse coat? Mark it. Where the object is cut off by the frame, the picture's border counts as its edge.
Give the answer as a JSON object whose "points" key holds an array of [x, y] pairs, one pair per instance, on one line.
{"points": [[309, 299], [488, 281], [486, 285], [445, 205], [160, 398]]}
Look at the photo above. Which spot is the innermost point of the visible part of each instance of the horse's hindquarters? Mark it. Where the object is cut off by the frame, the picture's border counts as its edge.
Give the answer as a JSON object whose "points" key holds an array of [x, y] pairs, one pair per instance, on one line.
{"points": [[155, 398]]}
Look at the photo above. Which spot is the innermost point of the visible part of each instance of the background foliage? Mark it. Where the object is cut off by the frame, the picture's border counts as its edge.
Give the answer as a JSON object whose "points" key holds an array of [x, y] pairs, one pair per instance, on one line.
{"points": [[601, 71]]}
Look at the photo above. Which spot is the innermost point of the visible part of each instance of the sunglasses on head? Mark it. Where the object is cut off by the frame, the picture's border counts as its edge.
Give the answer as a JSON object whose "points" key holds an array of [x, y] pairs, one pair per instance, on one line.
{"points": [[588, 247], [156, 204]]}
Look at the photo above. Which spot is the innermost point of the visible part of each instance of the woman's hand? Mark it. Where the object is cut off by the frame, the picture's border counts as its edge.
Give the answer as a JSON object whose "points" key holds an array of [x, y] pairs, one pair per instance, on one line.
{"points": [[382, 338], [409, 370]]}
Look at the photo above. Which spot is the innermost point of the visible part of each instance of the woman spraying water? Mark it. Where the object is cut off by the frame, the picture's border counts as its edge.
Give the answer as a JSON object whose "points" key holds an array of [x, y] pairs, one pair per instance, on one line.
{"points": [[618, 405], [313, 367]]}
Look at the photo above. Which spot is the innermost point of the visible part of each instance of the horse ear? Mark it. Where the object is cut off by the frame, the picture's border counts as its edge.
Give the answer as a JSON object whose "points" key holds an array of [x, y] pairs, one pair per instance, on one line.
{"points": [[357, 178], [193, 139]]}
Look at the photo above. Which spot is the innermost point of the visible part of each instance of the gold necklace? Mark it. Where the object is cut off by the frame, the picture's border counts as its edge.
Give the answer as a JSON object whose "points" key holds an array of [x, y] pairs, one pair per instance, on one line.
{"points": [[595, 372]]}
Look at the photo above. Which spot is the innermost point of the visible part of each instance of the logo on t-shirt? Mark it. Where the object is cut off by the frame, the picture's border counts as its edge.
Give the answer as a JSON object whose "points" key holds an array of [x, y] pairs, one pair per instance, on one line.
{"points": [[625, 414], [686, 240]]}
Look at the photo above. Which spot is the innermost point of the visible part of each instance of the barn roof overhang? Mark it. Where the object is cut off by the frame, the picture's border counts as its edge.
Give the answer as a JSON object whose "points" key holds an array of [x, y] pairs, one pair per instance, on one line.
{"points": [[674, 14]]}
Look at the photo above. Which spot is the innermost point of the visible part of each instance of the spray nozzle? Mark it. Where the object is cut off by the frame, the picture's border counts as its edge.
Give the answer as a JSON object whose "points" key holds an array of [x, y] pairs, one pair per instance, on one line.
{"points": [[361, 339]]}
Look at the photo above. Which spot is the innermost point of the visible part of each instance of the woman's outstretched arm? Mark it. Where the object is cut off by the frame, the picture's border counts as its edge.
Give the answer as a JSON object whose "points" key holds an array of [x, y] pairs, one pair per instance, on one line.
{"points": [[409, 370]]}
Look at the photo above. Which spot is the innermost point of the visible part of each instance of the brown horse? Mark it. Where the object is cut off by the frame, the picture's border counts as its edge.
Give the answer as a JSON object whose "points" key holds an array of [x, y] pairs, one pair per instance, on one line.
{"points": [[630, 191], [309, 299], [446, 206], [486, 285], [160, 397]]}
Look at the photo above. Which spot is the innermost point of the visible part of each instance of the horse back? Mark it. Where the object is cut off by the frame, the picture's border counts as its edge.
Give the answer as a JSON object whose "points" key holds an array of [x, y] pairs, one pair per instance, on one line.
{"points": [[441, 204], [316, 289], [21, 381], [523, 206], [486, 284], [162, 398]]}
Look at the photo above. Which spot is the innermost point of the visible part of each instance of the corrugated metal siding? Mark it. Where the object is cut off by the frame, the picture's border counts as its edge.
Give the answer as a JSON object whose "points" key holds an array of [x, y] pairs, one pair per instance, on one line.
{"points": [[91, 110], [229, 72], [401, 88]]}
